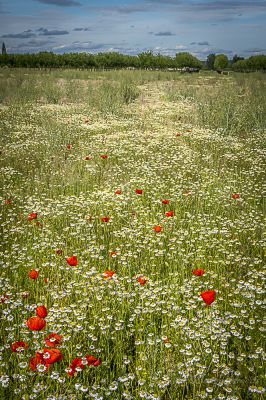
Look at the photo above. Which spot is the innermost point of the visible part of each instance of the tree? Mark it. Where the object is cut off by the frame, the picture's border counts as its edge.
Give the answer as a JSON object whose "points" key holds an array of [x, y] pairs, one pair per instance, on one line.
{"points": [[257, 63], [236, 58], [187, 60], [210, 61], [221, 61], [240, 66], [4, 49]]}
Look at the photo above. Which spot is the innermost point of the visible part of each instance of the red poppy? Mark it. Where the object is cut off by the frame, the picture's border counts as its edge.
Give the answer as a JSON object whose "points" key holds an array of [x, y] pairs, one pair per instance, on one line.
{"points": [[178, 134], [118, 192], [32, 216], [157, 228], [79, 363], [76, 363], [34, 274], [93, 361], [139, 191], [69, 146], [165, 201], [51, 356], [18, 346], [59, 252], [35, 361], [41, 311], [198, 272], [105, 219], [235, 196], [53, 340], [208, 296], [142, 280], [8, 201], [113, 253], [108, 274], [72, 261], [87, 158], [169, 214], [36, 323], [104, 156]]}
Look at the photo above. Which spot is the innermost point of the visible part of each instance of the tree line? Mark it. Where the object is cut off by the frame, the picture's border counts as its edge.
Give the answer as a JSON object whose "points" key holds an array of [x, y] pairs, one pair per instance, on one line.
{"points": [[145, 60], [239, 64]]}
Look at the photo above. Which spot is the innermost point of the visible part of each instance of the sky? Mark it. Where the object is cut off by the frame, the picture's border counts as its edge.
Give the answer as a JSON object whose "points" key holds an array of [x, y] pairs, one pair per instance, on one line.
{"points": [[167, 27]]}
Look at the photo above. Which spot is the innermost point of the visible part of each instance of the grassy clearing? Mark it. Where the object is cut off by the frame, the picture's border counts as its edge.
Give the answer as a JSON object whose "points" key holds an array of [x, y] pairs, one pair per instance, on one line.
{"points": [[193, 141]]}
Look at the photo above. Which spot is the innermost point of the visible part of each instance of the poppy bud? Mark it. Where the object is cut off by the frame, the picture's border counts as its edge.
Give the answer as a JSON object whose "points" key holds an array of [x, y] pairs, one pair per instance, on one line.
{"points": [[41, 311], [33, 274]]}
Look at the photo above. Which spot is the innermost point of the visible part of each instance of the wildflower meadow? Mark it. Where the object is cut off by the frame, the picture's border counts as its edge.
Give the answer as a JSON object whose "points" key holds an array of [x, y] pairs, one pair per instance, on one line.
{"points": [[132, 235]]}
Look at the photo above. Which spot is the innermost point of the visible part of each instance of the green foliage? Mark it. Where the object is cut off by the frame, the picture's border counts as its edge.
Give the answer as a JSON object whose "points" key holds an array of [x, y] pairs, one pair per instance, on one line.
{"points": [[240, 66], [111, 60], [236, 58], [221, 61], [210, 61], [187, 60], [253, 63], [257, 63]]}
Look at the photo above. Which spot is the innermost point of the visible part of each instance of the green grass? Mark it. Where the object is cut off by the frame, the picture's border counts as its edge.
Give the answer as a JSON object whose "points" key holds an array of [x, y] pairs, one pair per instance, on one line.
{"points": [[159, 340]]}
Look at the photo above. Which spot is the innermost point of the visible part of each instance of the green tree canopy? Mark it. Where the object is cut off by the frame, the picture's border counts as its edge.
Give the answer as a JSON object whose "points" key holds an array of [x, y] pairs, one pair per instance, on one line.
{"points": [[187, 60], [221, 61], [236, 58], [210, 61]]}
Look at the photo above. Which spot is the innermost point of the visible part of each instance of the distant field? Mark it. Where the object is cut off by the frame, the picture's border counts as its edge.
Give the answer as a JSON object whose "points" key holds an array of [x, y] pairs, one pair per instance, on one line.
{"points": [[132, 209]]}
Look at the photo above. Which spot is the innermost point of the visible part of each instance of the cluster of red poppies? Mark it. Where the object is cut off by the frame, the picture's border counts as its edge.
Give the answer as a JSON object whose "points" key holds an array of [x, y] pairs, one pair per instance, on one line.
{"points": [[47, 357], [50, 355], [79, 364], [38, 323]]}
